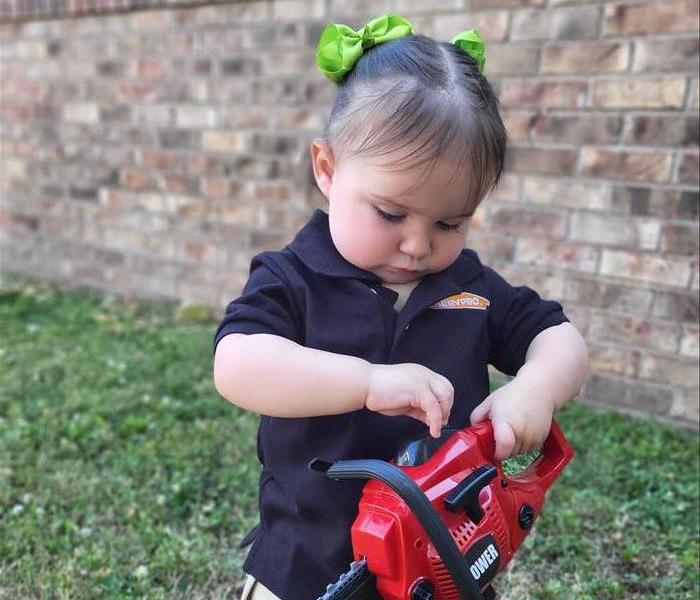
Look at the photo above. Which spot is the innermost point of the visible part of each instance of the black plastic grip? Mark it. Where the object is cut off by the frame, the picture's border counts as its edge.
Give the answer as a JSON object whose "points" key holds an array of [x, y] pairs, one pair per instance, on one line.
{"points": [[465, 495]]}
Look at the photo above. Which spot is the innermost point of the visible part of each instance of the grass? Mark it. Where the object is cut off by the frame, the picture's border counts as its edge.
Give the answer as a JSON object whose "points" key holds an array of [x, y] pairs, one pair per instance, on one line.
{"points": [[124, 475]]}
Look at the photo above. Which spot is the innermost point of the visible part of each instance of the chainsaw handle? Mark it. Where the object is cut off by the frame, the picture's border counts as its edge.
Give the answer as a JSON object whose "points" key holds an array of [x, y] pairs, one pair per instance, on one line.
{"points": [[556, 453]]}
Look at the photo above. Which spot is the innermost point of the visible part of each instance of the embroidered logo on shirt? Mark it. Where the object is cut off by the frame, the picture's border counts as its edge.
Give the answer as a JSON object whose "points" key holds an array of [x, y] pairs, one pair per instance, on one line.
{"points": [[462, 300]]}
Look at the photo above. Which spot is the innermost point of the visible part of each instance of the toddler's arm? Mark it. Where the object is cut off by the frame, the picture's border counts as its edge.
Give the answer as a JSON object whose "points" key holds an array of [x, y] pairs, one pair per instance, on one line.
{"points": [[521, 411], [274, 376], [558, 358]]}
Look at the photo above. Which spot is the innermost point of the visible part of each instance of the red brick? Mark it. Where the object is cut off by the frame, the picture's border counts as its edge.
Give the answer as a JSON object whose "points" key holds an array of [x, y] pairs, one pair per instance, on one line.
{"points": [[319, 92], [512, 59], [359, 8], [647, 92], [565, 255], [18, 224], [508, 188], [522, 93], [607, 295], [298, 118], [690, 342], [487, 4], [574, 193], [680, 238], [272, 192], [689, 168], [295, 10], [669, 271], [281, 64], [492, 25], [492, 248], [601, 228], [152, 68], [199, 209], [220, 140], [662, 203], [570, 23], [634, 331], [577, 129], [522, 221], [245, 117], [250, 215], [627, 395], [241, 13], [613, 164], [158, 159], [686, 405], [580, 317], [664, 368], [216, 187], [548, 283], [653, 17], [599, 57], [666, 55], [677, 306], [241, 66], [517, 125], [136, 179], [613, 359], [565, 2], [268, 240], [277, 91], [538, 160], [666, 130], [179, 184]]}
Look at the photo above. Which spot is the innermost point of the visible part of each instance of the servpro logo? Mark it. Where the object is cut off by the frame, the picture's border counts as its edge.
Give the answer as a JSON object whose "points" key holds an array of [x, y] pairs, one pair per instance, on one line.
{"points": [[483, 559], [462, 300]]}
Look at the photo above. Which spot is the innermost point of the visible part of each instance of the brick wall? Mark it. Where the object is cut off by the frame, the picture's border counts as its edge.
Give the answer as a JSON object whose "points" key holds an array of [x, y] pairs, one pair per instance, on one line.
{"points": [[153, 152]]}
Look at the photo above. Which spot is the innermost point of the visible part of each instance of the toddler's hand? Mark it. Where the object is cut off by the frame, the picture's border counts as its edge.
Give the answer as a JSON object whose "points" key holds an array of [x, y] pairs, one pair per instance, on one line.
{"points": [[521, 417], [412, 390]]}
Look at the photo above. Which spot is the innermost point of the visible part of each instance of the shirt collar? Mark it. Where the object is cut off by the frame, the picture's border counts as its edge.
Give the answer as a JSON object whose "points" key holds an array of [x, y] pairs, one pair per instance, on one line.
{"points": [[314, 247]]}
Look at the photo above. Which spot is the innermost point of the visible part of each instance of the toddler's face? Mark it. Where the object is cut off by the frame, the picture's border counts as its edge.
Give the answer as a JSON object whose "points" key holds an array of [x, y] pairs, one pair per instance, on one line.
{"points": [[400, 225]]}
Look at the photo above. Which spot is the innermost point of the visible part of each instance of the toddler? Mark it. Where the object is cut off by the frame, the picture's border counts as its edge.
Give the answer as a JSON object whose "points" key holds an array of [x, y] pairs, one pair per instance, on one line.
{"points": [[375, 322]]}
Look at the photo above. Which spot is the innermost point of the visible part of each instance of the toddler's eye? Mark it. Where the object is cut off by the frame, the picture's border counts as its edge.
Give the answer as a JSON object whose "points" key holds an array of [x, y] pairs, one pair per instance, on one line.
{"points": [[448, 226], [388, 216]]}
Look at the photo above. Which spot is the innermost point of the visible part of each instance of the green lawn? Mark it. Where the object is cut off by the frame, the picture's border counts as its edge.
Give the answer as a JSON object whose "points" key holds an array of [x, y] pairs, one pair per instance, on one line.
{"points": [[123, 474]]}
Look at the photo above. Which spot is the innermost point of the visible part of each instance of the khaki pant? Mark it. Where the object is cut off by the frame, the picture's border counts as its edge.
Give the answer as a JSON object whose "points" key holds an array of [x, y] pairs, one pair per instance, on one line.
{"points": [[254, 590]]}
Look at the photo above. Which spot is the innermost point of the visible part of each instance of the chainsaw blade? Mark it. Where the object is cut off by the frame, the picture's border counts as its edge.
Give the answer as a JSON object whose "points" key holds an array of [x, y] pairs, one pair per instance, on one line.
{"points": [[355, 584]]}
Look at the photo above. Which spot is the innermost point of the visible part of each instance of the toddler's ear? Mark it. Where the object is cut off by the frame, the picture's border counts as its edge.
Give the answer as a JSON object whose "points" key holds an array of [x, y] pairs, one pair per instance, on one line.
{"points": [[323, 165]]}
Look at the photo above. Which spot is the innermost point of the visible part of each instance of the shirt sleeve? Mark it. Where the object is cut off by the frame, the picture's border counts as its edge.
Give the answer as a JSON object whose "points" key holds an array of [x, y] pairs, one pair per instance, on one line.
{"points": [[517, 315], [266, 305]]}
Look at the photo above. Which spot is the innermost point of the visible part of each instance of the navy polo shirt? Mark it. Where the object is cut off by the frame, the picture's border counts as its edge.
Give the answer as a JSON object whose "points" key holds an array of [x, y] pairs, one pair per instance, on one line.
{"points": [[455, 322]]}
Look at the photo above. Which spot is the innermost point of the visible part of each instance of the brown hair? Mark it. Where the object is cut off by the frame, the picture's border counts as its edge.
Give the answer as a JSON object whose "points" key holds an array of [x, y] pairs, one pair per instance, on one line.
{"points": [[423, 100]]}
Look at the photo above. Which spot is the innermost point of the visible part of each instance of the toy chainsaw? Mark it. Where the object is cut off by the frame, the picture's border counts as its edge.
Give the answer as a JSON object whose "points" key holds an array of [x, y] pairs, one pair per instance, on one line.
{"points": [[443, 519]]}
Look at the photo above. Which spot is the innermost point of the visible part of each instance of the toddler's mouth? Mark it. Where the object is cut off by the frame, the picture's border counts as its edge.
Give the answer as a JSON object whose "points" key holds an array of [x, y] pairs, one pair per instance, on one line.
{"points": [[407, 272]]}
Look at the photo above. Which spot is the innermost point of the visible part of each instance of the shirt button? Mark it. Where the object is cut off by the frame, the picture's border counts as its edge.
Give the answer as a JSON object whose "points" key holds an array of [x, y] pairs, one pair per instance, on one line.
{"points": [[373, 290], [407, 326]]}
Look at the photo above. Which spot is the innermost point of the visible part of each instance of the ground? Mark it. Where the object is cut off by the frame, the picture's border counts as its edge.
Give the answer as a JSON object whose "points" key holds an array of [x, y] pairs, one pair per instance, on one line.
{"points": [[123, 474]]}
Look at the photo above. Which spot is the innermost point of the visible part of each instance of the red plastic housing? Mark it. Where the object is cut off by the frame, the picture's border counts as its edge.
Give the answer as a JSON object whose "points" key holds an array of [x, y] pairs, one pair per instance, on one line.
{"points": [[397, 549]]}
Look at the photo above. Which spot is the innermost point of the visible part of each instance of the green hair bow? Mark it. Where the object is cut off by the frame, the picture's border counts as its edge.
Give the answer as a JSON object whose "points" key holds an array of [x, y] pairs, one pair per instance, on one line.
{"points": [[340, 46], [471, 43]]}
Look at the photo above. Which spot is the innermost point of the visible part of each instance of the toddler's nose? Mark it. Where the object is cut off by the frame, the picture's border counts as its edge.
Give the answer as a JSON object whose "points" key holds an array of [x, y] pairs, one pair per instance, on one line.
{"points": [[416, 246]]}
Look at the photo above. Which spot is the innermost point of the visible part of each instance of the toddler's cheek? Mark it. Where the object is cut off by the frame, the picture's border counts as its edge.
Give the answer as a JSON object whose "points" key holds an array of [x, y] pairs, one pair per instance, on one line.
{"points": [[364, 252], [360, 246]]}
